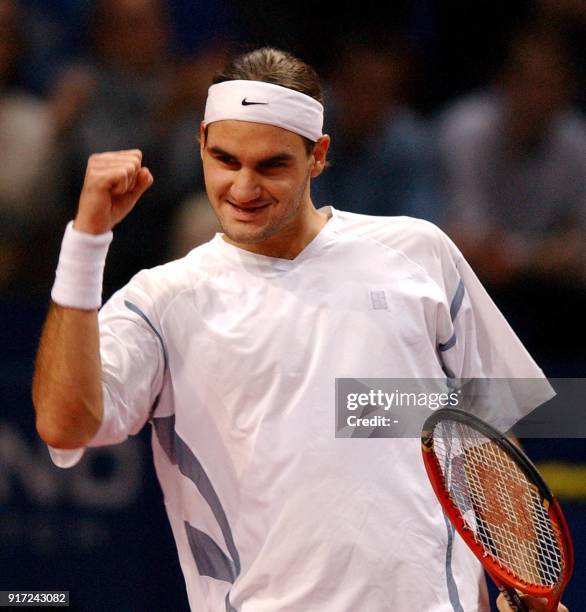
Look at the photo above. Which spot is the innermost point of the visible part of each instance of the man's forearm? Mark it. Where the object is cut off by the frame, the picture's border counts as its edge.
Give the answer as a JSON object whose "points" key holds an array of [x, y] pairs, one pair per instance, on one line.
{"points": [[67, 388], [67, 392]]}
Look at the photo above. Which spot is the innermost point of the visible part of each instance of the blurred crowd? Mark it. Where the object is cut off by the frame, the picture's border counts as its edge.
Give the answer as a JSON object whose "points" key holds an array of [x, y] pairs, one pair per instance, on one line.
{"points": [[500, 164]]}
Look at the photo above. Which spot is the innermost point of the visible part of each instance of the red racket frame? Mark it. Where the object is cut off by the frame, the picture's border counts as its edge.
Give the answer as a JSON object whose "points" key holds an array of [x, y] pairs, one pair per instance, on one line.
{"points": [[501, 576]]}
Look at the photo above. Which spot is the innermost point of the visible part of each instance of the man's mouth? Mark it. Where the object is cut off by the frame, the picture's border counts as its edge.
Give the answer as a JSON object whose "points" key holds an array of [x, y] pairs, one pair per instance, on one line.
{"points": [[248, 210]]}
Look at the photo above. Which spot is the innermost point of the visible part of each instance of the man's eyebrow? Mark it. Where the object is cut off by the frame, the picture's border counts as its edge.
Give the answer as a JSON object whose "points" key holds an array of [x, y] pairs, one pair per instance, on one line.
{"points": [[279, 157], [219, 151]]}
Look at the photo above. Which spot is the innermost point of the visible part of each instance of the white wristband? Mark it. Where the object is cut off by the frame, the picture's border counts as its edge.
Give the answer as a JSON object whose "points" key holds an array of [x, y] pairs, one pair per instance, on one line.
{"points": [[78, 280]]}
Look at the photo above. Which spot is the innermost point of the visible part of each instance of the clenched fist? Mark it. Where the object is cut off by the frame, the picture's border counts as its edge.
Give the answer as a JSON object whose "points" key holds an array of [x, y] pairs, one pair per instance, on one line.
{"points": [[112, 186]]}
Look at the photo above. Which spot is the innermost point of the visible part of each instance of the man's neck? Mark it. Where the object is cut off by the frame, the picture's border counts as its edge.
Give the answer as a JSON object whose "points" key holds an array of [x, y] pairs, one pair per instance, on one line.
{"points": [[292, 240]]}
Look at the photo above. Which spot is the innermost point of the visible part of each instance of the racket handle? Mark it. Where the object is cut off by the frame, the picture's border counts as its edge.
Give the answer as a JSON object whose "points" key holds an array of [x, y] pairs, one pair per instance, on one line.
{"points": [[513, 599]]}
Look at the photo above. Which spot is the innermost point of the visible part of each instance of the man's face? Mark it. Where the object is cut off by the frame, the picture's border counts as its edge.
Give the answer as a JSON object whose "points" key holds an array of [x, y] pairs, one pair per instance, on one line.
{"points": [[9, 38], [257, 180], [134, 34], [538, 87]]}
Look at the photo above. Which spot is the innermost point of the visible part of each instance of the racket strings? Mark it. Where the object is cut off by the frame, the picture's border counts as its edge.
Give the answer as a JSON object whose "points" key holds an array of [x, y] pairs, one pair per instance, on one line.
{"points": [[497, 502]]}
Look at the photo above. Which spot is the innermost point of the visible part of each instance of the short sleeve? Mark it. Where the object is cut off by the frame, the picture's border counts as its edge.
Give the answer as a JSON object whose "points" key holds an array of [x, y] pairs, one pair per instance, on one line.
{"points": [[133, 363], [484, 348]]}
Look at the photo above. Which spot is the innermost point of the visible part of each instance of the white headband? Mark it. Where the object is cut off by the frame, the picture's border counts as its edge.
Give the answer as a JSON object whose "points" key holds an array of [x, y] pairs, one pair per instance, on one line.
{"points": [[261, 102]]}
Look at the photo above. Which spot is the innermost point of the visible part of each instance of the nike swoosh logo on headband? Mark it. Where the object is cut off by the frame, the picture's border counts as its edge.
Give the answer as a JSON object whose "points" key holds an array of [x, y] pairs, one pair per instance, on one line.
{"points": [[245, 102]]}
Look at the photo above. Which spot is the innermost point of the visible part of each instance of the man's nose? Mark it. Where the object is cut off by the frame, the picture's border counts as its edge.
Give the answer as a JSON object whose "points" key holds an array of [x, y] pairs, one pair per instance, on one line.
{"points": [[245, 187]]}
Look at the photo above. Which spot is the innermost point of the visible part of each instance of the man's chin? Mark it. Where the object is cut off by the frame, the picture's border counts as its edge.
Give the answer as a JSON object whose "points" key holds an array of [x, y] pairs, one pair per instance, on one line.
{"points": [[245, 236]]}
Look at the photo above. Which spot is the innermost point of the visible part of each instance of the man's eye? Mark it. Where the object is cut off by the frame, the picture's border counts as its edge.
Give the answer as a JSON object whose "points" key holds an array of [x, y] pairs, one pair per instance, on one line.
{"points": [[273, 164], [229, 161]]}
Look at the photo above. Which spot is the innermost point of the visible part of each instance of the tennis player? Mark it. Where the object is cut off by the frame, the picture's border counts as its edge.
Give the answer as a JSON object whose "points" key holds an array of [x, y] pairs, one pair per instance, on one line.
{"points": [[232, 352]]}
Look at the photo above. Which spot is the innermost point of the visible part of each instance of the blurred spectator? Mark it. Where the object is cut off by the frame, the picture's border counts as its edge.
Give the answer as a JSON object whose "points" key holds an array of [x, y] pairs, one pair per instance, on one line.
{"points": [[515, 162], [381, 160], [179, 118], [54, 32], [28, 161], [132, 94], [570, 17]]}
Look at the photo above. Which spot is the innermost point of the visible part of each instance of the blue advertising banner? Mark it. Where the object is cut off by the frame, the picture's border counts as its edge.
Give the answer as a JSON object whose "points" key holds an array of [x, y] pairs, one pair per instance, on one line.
{"points": [[97, 530]]}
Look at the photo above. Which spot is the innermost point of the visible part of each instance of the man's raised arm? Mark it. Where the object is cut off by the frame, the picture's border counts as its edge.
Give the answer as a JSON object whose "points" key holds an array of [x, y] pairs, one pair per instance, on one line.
{"points": [[67, 391]]}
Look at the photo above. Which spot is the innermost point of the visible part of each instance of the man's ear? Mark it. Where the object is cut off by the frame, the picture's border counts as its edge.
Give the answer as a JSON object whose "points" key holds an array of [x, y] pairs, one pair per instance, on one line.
{"points": [[202, 138], [319, 155]]}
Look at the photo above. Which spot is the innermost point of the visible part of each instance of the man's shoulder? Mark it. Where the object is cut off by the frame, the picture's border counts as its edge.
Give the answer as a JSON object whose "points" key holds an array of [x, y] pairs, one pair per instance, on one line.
{"points": [[399, 232], [569, 134], [472, 118], [161, 284], [418, 240]]}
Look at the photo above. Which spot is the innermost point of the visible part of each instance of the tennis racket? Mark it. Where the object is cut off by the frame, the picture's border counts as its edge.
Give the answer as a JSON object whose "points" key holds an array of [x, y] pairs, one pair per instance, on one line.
{"points": [[497, 501]]}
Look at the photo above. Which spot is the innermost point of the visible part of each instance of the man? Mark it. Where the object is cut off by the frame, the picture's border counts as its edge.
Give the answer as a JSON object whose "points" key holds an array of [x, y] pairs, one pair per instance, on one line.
{"points": [[232, 353], [514, 157], [30, 160], [382, 158]]}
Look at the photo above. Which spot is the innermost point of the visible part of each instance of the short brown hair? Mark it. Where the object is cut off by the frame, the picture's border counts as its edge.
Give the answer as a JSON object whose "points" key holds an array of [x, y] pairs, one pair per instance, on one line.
{"points": [[272, 65]]}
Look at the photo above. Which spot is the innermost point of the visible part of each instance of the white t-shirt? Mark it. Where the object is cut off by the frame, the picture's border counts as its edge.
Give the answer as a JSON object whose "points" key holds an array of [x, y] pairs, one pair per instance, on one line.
{"points": [[233, 357]]}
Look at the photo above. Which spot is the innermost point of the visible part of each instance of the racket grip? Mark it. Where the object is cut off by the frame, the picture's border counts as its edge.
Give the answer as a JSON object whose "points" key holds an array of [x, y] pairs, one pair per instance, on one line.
{"points": [[513, 599]]}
